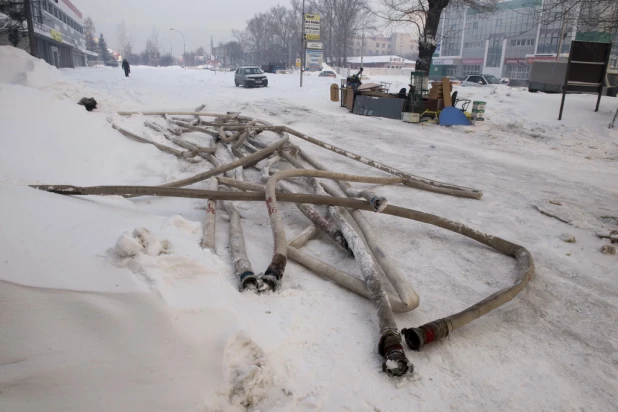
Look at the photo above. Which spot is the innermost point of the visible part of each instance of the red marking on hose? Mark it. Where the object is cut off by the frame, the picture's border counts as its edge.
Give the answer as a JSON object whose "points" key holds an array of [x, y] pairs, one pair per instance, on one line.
{"points": [[429, 334], [210, 209], [271, 208]]}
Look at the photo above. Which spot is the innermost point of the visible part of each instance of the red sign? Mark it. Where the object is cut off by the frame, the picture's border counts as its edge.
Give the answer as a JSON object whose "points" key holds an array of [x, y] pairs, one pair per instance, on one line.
{"points": [[530, 60], [472, 61], [521, 60]]}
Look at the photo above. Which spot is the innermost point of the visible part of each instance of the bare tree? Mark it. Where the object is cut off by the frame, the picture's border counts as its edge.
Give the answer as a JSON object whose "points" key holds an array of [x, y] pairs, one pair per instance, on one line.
{"points": [[124, 39], [90, 34], [152, 48], [424, 15]]}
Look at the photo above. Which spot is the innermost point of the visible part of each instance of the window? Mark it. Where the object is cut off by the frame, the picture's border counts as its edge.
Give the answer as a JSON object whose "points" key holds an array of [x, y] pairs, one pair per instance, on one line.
{"points": [[377, 45], [518, 71], [498, 22], [475, 25], [473, 69], [451, 70], [513, 42]]}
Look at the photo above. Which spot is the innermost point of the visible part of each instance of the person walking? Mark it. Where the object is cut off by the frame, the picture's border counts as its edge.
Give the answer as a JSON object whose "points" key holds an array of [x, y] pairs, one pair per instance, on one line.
{"points": [[126, 67]]}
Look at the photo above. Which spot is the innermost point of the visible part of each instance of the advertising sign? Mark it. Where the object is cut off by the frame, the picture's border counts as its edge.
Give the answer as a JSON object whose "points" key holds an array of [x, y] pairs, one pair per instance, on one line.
{"points": [[297, 62], [472, 62], [442, 62], [312, 27], [313, 61], [315, 45], [521, 60], [56, 35]]}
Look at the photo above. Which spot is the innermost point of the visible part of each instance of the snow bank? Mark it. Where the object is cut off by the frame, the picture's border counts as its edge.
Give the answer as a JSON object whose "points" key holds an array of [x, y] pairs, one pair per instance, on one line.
{"points": [[18, 67], [141, 318]]}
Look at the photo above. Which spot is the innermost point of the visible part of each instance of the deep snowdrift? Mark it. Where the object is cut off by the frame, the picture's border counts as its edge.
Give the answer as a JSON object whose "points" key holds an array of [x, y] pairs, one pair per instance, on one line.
{"points": [[167, 329]]}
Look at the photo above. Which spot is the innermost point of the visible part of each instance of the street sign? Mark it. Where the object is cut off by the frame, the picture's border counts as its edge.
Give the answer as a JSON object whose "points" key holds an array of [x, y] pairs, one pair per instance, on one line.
{"points": [[313, 61], [312, 27], [314, 45], [297, 62]]}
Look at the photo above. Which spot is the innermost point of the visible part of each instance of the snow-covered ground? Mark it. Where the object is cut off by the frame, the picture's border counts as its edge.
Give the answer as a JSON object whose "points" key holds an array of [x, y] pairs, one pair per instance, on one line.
{"points": [[84, 329]]}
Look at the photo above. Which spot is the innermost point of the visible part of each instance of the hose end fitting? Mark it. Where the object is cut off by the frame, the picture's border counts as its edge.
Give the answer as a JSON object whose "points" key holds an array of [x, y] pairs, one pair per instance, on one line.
{"points": [[378, 203], [395, 361], [273, 274], [417, 338], [249, 281]]}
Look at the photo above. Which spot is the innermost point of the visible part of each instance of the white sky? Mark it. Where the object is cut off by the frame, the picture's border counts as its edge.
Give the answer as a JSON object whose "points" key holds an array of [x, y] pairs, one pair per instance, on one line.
{"points": [[198, 20]]}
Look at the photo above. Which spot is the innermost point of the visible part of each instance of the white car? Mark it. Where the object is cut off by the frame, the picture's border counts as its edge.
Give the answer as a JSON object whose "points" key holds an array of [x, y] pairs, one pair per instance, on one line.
{"points": [[481, 80]]}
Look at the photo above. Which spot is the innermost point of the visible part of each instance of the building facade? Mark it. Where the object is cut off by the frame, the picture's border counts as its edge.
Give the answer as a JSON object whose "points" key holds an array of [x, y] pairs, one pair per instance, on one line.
{"points": [[400, 44], [59, 32], [59, 27], [504, 43], [383, 62]]}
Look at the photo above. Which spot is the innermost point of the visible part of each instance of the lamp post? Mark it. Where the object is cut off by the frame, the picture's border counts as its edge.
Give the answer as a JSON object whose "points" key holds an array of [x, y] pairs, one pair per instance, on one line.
{"points": [[184, 48], [171, 50], [302, 46]]}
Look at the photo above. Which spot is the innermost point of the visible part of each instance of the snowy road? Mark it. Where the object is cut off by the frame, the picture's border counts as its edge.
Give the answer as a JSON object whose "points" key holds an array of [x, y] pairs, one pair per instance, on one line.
{"points": [[175, 334]]}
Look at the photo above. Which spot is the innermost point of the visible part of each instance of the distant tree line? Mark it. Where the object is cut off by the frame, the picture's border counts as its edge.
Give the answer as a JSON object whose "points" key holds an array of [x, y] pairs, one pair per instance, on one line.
{"points": [[275, 35]]}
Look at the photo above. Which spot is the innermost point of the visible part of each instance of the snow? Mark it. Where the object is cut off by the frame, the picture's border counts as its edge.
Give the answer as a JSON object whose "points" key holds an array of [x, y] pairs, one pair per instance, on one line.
{"points": [[110, 303]]}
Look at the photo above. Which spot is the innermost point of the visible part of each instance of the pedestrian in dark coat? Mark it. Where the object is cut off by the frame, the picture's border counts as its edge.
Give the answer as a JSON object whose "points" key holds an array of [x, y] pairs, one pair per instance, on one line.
{"points": [[126, 67]]}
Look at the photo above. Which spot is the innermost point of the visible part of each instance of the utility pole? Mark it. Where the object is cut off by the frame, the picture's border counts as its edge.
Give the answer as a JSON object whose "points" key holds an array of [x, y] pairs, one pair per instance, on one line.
{"points": [[362, 48], [302, 47], [34, 51], [562, 35]]}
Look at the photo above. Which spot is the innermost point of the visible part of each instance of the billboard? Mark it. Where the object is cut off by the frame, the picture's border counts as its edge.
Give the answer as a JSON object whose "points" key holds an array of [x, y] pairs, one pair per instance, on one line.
{"points": [[312, 27], [313, 61]]}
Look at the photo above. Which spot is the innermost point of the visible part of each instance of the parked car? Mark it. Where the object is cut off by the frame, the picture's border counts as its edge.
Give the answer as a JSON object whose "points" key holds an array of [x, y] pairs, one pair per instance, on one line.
{"points": [[250, 76], [481, 80], [328, 73], [112, 63], [454, 80]]}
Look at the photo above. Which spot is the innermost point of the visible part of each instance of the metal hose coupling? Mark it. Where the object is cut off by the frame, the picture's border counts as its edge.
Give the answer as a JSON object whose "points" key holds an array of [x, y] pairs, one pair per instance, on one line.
{"points": [[434, 331], [249, 281], [395, 361], [378, 203], [274, 272]]}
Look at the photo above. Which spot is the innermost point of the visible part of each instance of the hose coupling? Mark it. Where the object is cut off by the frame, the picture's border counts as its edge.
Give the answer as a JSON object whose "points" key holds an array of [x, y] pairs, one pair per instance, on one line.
{"points": [[273, 274], [417, 338], [249, 281], [395, 361], [378, 203]]}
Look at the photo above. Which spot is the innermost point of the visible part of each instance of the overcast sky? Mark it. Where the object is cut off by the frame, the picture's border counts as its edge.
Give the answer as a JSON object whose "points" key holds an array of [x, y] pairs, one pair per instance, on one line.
{"points": [[197, 19]]}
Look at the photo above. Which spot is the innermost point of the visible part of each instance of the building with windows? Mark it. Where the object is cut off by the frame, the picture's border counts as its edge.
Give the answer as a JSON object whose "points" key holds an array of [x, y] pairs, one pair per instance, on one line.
{"points": [[59, 32], [382, 62], [400, 44], [506, 42]]}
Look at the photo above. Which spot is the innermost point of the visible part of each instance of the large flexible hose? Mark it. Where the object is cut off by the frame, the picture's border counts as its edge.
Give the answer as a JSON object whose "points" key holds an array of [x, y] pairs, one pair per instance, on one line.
{"points": [[242, 265], [279, 260], [417, 182], [390, 347], [254, 157], [415, 337], [208, 233]]}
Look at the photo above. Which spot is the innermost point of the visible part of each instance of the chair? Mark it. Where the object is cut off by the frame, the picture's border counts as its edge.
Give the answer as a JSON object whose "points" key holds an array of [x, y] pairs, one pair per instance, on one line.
{"points": [[464, 102]]}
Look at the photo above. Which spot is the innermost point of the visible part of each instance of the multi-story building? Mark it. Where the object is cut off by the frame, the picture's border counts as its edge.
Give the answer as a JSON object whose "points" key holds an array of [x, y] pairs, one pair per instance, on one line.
{"points": [[400, 44], [59, 32], [505, 42]]}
